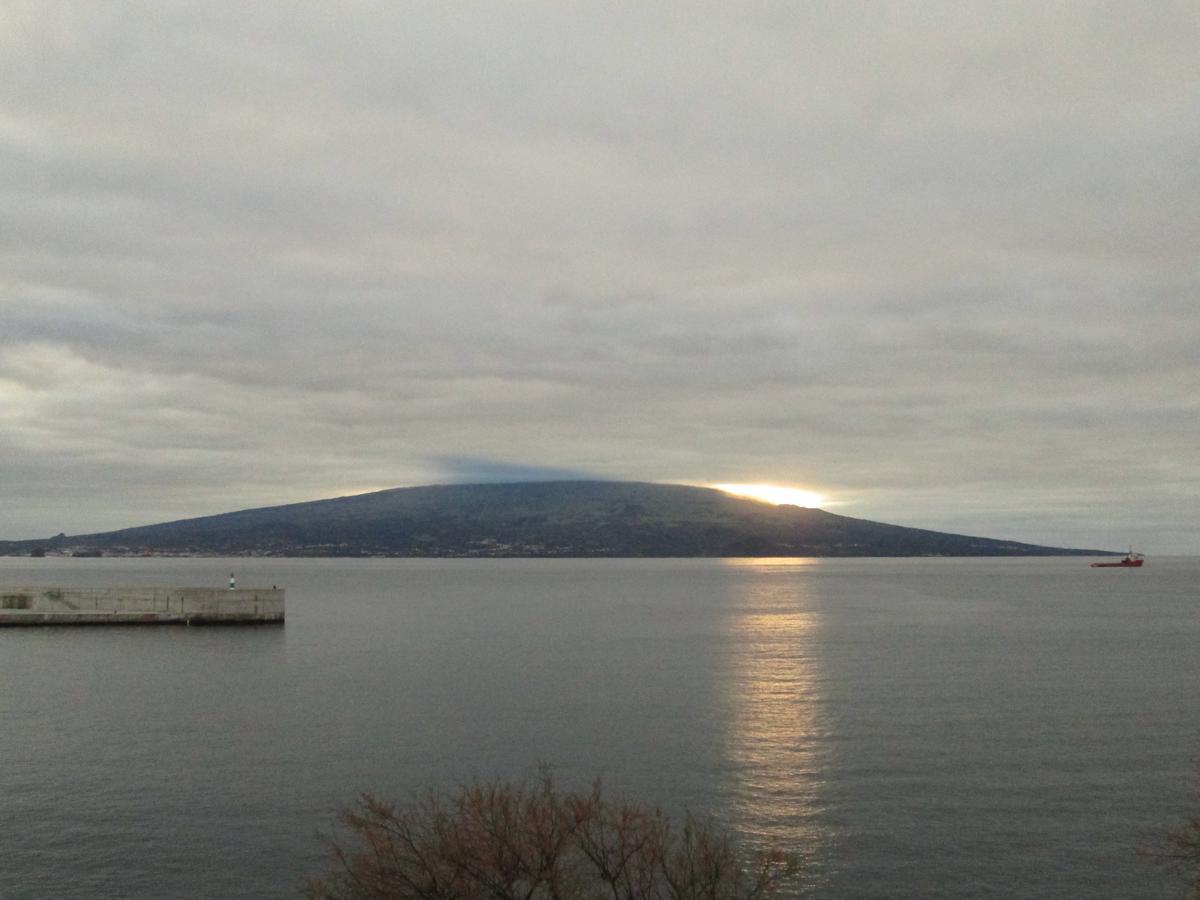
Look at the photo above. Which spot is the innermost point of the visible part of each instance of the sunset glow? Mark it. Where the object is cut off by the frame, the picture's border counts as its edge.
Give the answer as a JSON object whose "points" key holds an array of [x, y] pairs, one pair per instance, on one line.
{"points": [[773, 494]]}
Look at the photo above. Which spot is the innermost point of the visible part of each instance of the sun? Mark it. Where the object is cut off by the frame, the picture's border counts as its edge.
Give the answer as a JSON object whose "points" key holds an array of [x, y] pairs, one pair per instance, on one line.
{"points": [[775, 494]]}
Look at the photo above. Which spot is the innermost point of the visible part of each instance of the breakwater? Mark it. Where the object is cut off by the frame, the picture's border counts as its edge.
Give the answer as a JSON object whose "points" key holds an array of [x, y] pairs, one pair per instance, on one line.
{"points": [[141, 606]]}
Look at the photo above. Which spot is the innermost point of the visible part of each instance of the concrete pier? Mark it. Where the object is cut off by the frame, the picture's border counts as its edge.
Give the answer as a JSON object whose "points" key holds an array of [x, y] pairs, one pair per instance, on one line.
{"points": [[141, 606]]}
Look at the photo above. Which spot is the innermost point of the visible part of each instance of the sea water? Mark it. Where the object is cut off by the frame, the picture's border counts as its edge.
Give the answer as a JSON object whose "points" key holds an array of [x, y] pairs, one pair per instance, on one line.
{"points": [[910, 728]]}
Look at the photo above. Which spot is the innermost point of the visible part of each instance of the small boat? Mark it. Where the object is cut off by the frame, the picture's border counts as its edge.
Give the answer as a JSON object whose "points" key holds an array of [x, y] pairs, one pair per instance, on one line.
{"points": [[1130, 560]]}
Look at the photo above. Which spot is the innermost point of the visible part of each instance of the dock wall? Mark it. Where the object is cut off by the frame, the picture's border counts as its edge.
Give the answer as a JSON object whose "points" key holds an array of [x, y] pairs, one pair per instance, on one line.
{"points": [[140, 606]]}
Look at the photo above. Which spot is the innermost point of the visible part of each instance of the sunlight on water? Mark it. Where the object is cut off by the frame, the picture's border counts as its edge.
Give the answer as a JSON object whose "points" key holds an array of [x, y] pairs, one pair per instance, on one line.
{"points": [[771, 562], [776, 722]]}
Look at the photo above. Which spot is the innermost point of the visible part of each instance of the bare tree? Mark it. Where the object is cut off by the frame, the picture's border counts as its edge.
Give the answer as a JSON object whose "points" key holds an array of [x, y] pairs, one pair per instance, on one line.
{"points": [[1179, 849], [531, 841], [1183, 848]]}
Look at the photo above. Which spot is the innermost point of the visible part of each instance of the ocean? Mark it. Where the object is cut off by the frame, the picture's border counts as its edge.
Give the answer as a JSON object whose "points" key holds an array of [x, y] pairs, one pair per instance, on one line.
{"points": [[909, 727]]}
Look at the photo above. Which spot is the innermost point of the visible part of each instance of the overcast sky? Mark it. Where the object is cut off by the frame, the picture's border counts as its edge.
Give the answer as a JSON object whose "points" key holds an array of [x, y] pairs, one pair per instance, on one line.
{"points": [[936, 261]]}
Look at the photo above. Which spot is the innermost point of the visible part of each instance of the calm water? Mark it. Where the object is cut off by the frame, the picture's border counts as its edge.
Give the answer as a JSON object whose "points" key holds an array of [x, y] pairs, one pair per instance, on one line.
{"points": [[914, 728]]}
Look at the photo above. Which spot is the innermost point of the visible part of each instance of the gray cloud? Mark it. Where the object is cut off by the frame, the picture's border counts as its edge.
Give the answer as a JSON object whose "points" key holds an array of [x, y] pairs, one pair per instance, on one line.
{"points": [[936, 260], [477, 470]]}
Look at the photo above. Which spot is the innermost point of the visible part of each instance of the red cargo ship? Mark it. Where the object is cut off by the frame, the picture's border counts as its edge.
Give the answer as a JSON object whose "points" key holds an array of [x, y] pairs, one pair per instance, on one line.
{"points": [[1131, 560]]}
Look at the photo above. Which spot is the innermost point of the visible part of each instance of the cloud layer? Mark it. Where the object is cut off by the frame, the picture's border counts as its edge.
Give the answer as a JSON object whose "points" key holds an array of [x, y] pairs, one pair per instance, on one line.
{"points": [[936, 261]]}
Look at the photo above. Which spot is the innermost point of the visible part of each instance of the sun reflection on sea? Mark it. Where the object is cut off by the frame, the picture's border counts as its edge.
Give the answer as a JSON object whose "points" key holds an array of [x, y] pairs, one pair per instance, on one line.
{"points": [[772, 562], [776, 721]]}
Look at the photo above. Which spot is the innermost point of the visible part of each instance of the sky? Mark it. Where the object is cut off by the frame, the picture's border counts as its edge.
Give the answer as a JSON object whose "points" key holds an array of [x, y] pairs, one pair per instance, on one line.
{"points": [[937, 262]]}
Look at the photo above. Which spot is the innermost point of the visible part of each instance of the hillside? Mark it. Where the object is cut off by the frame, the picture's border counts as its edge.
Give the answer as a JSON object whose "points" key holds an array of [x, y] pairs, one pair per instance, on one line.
{"points": [[567, 518]]}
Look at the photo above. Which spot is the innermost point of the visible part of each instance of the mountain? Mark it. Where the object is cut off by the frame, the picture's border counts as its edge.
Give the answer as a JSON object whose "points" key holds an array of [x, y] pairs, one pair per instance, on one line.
{"points": [[562, 518]]}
